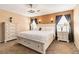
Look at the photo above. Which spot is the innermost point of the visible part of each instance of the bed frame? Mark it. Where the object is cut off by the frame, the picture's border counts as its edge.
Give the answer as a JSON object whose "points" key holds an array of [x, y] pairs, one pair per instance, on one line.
{"points": [[35, 45]]}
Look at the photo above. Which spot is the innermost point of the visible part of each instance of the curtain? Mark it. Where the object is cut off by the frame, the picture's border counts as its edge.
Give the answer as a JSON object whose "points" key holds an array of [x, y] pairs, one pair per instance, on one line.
{"points": [[33, 25], [35, 20], [68, 17], [58, 18]]}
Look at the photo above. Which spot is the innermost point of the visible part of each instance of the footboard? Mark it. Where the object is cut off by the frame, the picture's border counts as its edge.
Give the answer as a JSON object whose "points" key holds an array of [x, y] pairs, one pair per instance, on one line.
{"points": [[37, 46]]}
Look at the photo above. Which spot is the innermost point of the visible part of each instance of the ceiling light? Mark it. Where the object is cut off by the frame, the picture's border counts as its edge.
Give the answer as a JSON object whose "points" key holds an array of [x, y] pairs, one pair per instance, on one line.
{"points": [[32, 10]]}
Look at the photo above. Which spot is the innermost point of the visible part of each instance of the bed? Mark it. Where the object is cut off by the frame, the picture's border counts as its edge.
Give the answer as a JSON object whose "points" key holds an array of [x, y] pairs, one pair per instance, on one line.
{"points": [[36, 40]]}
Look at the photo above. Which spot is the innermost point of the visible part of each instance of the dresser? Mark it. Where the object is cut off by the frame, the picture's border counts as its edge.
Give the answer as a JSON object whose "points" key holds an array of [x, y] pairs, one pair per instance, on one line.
{"points": [[63, 36], [8, 31]]}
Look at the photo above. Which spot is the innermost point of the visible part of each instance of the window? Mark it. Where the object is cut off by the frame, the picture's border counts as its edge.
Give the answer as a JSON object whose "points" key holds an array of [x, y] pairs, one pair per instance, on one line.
{"points": [[63, 25]]}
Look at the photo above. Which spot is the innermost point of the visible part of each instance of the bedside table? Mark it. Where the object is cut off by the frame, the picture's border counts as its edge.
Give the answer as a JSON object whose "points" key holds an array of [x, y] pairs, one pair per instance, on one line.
{"points": [[63, 36]]}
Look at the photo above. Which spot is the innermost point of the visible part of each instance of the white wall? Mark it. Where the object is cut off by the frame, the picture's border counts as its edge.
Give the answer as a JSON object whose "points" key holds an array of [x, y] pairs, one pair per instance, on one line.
{"points": [[76, 26]]}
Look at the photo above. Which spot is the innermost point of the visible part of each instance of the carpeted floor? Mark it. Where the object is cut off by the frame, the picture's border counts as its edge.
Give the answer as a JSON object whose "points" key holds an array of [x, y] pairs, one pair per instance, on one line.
{"points": [[12, 47]]}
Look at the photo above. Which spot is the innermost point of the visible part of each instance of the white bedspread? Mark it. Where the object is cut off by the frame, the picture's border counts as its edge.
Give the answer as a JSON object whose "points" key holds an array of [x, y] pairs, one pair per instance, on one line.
{"points": [[40, 36]]}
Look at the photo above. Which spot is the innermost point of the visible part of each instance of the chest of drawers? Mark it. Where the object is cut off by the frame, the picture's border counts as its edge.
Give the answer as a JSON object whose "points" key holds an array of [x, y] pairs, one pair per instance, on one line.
{"points": [[9, 31]]}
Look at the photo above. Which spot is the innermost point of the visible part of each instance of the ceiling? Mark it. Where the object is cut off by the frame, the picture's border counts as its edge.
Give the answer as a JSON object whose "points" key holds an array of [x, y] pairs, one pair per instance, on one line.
{"points": [[44, 8]]}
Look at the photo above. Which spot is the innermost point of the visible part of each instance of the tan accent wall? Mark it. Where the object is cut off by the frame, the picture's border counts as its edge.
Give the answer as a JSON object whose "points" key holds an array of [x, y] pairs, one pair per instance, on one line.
{"points": [[21, 22], [46, 19]]}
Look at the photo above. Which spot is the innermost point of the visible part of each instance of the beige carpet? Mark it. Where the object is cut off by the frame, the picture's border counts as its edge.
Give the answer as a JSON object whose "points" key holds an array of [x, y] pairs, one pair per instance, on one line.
{"points": [[12, 47]]}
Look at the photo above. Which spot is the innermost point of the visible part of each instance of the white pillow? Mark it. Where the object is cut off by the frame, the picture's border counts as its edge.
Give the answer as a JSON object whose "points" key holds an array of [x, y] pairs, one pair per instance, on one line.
{"points": [[47, 28], [43, 29]]}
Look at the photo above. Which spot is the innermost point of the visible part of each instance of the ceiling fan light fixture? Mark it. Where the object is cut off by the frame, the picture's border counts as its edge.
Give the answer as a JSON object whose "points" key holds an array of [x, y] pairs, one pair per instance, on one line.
{"points": [[31, 11]]}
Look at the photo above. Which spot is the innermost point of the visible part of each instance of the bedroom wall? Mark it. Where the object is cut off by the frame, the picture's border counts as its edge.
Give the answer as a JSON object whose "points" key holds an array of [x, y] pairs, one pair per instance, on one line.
{"points": [[46, 19], [21, 22], [76, 26]]}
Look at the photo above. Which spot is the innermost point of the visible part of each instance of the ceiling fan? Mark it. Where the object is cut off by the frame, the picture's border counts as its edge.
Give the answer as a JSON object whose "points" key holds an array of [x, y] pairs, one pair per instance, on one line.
{"points": [[32, 10]]}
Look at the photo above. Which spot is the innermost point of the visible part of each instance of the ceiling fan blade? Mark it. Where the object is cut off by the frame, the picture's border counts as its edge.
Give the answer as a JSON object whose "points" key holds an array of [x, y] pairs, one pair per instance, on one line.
{"points": [[32, 8]]}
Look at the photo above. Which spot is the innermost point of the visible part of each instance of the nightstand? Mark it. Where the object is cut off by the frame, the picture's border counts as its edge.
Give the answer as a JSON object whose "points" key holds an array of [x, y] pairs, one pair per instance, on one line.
{"points": [[63, 36]]}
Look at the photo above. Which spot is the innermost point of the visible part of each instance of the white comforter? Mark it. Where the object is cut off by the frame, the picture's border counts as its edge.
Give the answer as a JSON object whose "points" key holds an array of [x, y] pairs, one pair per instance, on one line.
{"points": [[40, 36]]}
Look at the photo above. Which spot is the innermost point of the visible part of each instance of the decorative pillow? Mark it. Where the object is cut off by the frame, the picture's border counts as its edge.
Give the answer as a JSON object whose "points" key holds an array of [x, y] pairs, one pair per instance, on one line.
{"points": [[40, 29]]}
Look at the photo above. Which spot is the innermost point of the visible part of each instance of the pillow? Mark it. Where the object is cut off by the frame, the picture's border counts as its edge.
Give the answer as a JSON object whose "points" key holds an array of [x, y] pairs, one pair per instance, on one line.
{"points": [[40, 29], [43, 28], [47, 28]]}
